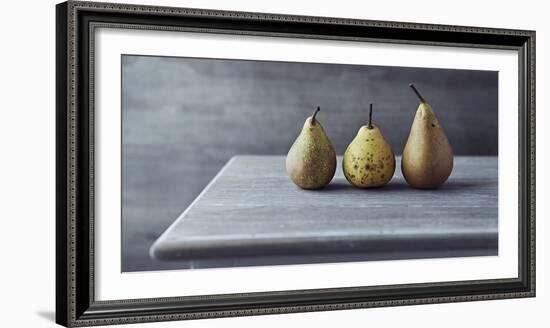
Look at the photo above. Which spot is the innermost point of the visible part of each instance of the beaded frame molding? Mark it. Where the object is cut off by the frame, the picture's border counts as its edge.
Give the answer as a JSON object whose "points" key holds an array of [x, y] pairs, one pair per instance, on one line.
{"points": [[75, 30]]}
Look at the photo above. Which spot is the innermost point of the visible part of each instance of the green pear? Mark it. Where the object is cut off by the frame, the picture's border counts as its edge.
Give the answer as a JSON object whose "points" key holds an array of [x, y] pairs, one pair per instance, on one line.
{"points": [[311, 161], [369, 160], [427, 159]]}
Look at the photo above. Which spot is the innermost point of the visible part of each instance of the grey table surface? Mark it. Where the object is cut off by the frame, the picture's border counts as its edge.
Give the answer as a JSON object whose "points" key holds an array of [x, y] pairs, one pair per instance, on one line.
{"points": [[252, 214]]}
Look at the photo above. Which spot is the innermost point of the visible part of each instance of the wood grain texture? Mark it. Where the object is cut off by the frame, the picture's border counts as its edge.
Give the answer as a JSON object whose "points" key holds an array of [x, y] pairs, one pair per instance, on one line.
{"points": [[252, 214]]}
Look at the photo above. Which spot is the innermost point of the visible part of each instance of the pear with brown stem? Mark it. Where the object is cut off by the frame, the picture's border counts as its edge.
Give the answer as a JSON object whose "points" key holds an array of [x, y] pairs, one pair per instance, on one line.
{"points": [[311, 161], [427, 159], [369, 160]]}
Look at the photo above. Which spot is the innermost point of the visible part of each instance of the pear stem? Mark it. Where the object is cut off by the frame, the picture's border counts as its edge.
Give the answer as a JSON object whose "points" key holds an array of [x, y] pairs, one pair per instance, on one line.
{"points": [[417, 93], [315, 114], [370, 118]]}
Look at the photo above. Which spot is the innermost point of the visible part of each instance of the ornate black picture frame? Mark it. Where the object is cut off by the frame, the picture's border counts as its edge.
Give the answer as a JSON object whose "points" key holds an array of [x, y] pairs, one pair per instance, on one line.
{"points": [[75, 301]]}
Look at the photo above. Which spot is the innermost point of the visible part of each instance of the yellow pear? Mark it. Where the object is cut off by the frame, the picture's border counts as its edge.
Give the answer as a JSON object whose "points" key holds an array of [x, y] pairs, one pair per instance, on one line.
{"points": [[311, 161], [427, 159], [369, 160]]}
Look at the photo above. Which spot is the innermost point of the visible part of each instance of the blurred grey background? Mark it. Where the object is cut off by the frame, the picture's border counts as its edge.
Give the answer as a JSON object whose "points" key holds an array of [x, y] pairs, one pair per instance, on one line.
{"points": [[184, 118]]}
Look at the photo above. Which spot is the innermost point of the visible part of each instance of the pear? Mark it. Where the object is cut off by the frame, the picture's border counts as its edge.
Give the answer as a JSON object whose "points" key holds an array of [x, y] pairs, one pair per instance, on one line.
{"points": [[427, 159], [311, 161], [369, 160]]}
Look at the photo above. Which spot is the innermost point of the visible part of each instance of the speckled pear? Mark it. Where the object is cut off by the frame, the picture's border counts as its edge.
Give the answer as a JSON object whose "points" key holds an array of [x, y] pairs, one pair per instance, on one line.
{"points": [[369, 160], [311, 161], [427, 159]]}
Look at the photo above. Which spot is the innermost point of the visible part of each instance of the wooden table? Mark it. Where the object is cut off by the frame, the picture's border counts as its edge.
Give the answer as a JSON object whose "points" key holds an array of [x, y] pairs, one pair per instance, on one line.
{"points": [[252, 214]]}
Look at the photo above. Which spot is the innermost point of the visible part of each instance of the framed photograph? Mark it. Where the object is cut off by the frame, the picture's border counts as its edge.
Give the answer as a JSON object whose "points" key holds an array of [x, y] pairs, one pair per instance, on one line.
{"points": [[215, 163]]}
